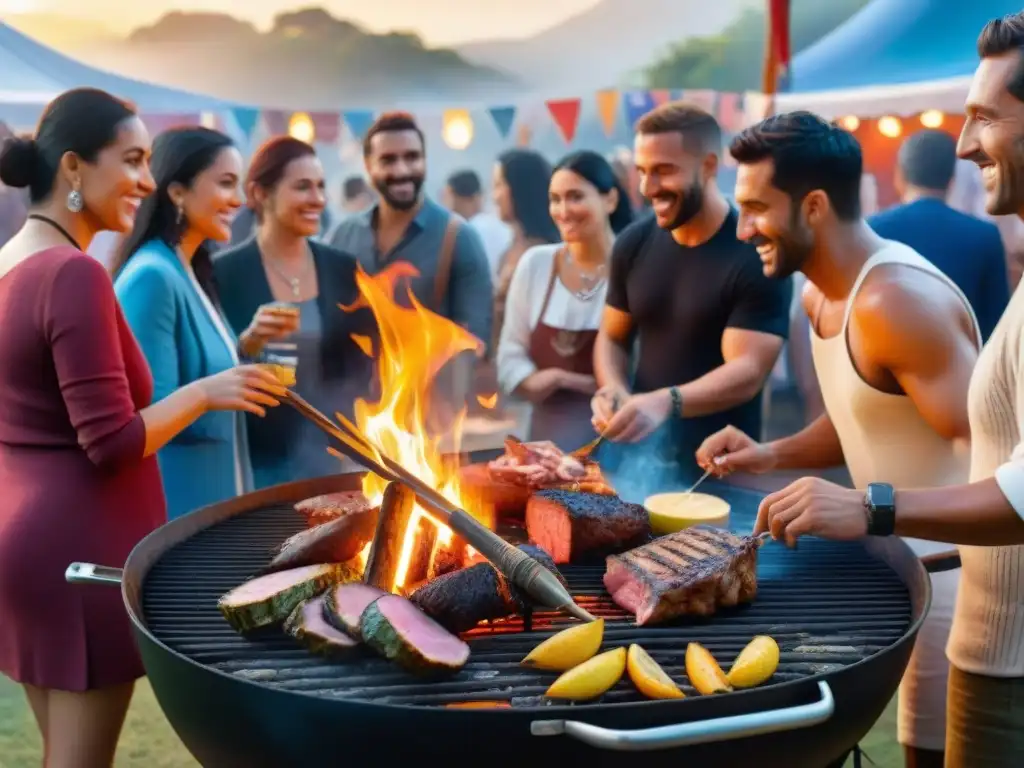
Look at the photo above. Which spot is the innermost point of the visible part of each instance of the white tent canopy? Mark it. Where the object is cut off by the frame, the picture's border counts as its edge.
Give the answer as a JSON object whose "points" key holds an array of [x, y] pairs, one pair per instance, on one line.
{"points": [[903, 100]]}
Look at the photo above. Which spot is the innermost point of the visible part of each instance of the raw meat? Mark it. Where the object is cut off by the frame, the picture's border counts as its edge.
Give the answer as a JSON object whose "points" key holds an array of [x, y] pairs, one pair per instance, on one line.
{"points": [[308, 626], [401, 632], [335, 541], [690, 572], [345, 603], [320, 509], [573, 525], [271, 599], [535, 464], [462, 599]]}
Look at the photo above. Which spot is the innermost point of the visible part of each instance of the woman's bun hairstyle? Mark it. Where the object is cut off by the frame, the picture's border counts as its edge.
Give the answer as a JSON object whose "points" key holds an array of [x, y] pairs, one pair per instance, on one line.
{"points": [[19, 162]]}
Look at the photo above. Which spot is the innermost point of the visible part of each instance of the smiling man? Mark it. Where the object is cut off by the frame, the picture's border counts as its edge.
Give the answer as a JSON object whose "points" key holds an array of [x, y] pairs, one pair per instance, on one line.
{"points": [[893, 342], [710, 325]]}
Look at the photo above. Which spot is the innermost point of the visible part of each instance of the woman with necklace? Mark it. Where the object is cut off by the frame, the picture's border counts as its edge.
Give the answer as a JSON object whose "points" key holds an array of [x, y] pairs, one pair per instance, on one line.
{"points": [[556, 299], [281, 292], [80, 427], [163, 278]]}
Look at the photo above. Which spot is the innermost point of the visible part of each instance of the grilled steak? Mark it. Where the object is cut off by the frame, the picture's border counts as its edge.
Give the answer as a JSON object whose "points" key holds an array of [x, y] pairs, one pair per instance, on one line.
{"points": [[462, 599], [308, 626], [345, 603], [320, 509], [335, 541], [691, 572], [573, 525], [271, 599], [401, 632]]}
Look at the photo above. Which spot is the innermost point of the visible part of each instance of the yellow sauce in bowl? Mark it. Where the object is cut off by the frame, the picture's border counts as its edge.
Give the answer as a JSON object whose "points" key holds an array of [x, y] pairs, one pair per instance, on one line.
{"points": [[671, 512]]}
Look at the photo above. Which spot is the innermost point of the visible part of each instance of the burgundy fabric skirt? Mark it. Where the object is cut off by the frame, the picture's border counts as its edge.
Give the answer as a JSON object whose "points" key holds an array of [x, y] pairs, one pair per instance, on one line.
{"points": [[56, 508]]}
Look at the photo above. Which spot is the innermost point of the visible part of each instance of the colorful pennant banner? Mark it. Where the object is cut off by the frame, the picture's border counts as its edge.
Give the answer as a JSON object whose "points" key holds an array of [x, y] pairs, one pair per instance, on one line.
{"points": [[503, 118], [608, 110], [638, 104], [566, 114], [358, 121], [247, 120]]}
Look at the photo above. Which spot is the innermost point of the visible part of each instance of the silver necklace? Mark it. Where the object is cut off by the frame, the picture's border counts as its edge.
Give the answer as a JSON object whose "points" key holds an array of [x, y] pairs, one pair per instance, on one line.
{"points": [[293, 281], [591, 282]]}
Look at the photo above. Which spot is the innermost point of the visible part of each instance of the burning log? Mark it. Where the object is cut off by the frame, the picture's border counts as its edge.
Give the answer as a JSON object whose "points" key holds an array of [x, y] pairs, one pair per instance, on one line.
{"points": [[422, 553], [447, 558], [395, 515]]}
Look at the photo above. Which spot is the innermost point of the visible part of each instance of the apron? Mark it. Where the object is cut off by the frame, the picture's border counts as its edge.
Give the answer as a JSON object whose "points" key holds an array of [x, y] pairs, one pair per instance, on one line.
{"points": [[564, 418]]}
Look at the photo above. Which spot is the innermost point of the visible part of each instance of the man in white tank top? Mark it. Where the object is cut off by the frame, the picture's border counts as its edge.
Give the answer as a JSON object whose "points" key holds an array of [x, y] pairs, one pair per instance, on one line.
{"points": [[893, 342]]}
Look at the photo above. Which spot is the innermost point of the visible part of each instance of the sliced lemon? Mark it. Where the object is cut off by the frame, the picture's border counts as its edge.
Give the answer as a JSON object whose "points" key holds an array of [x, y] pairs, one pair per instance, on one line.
{"points": [[568, 648], [755, 664], [704, 673], [671, 512], [591, 678], [648, 676]]}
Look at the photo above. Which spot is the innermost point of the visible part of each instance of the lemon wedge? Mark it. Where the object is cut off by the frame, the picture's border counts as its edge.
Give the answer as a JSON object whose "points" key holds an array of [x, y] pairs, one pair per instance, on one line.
{"points": [[568, 648], [591, 678], [755, 664], [671, 512], [648, 676], [704, 673]]}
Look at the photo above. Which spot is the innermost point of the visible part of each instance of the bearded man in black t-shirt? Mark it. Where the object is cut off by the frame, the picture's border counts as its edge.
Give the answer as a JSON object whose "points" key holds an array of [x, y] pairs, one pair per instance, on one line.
{"points": [[709, 324]]}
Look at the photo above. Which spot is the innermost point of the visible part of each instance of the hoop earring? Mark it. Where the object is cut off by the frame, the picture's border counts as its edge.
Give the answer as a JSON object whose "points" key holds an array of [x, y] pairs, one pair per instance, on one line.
{"points": [[75, 202]]}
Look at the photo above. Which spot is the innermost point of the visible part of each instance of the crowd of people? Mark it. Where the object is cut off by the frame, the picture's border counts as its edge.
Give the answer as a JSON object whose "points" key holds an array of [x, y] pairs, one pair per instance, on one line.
{"points": [[632, 301]]}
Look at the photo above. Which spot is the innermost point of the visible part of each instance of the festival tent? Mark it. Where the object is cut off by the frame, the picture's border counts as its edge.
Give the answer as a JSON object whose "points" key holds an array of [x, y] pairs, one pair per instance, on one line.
{"points": [[31, 74], [895, 57]]}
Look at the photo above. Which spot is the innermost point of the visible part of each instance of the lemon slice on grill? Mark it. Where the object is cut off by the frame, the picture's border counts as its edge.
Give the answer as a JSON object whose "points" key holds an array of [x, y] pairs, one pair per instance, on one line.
{"points": [[567, 648], [756, 663], [648, 676], [704, 673], [591, 678], [671, 512]]}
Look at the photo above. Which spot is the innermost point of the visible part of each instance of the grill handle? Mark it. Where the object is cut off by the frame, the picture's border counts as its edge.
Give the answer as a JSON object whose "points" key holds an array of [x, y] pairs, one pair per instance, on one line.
{"points": [[701, 732], [88, 573]]}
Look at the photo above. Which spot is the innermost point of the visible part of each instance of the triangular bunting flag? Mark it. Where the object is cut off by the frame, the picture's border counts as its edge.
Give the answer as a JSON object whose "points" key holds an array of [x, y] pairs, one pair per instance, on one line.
{"points": [[247, 119], [730, 111], [661, 96], [276, 122], [566, 114], [608, 110], [358, 121], [638, 104], [503, 118], [327, 126]]}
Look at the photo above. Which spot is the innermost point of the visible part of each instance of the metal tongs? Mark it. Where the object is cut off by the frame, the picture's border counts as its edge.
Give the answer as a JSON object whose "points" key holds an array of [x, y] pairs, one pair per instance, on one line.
{"points": [[518, 567]]}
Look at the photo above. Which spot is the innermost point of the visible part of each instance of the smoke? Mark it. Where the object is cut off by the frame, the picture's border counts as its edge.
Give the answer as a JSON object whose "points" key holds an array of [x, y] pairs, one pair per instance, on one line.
{"points": [[639, 470]]}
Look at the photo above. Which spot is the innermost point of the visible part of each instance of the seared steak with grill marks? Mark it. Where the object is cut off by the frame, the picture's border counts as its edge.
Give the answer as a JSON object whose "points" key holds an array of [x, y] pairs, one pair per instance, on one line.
{"points": [[691, 572], [572, 525]]}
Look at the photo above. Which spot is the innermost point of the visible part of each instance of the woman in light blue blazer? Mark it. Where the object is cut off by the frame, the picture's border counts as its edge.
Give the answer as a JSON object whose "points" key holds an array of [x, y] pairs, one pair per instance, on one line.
{"points": [[164, 281]]}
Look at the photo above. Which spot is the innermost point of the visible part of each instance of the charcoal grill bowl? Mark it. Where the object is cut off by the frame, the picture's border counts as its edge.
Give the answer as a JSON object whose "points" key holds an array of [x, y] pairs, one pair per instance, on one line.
{"points": [[229, 722]]}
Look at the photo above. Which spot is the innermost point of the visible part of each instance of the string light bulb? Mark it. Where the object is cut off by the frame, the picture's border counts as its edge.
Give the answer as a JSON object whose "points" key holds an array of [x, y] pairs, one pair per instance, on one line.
{"points": [[890, 126], [933, 118], [301, 127], [850, 123], [457, 128]]}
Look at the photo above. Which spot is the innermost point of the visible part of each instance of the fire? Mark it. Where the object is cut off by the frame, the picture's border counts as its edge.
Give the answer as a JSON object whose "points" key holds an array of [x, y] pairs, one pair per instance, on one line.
{"points": [[488, 401], [414, 345]]}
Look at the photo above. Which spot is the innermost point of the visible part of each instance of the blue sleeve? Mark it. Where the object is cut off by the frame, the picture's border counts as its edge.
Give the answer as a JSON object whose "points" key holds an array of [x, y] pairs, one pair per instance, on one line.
{"points": [[994, 293], [470, 291]]}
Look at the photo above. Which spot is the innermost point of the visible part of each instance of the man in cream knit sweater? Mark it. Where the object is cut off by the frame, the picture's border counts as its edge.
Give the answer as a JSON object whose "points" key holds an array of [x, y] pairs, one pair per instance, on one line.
{"points": [[893, 341], [985, 704]]}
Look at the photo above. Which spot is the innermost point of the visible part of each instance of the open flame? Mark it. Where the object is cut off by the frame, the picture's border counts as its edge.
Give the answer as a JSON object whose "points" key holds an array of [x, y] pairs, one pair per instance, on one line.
{"points": [[415, 344]]}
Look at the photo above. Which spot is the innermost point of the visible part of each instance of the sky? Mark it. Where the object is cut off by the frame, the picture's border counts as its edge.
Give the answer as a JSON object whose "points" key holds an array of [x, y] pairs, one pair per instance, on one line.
{"points": [[439, 22]]}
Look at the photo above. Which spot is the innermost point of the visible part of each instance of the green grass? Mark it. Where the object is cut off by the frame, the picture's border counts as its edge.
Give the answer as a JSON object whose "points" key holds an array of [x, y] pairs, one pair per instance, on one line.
{"points": [[149, 742]]}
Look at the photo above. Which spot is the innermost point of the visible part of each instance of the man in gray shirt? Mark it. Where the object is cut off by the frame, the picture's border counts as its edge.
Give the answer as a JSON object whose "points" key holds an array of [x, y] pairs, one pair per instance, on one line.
{"points": [[406, 225]]}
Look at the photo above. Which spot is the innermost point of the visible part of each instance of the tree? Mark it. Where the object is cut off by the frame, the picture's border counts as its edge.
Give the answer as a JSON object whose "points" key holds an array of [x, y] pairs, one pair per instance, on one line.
{"points": [[732, 60]]}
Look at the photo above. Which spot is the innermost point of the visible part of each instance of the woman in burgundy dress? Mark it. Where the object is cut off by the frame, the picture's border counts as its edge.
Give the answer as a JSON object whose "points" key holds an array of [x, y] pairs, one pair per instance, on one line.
{"points": [[78, 435]]}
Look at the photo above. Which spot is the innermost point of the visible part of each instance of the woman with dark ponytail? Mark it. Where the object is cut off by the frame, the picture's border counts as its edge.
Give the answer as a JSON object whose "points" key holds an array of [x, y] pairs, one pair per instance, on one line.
{"points": [[164, 279], [79, 426], [556, 298]]}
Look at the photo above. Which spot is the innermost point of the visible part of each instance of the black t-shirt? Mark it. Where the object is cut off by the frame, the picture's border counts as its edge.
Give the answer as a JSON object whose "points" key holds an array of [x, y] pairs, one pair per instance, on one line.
{"points": [[681, 301]]}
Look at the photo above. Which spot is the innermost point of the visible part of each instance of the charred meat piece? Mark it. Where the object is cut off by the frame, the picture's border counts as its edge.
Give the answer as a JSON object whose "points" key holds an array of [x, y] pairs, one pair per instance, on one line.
{"points": [[690, 572], [321, 509], [572, 526], [308, 626], [345, 603], [271, 599], [401, 632], [335, 541], [462, 599]]}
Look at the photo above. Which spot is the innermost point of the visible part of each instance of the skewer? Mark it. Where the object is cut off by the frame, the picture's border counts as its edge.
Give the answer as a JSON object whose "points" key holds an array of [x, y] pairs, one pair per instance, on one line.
{"points": [[518, 567]]}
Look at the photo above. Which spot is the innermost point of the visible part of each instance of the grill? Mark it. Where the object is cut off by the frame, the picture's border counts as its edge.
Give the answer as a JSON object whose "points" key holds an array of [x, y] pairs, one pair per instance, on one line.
{"points": [[844, 615], [828, 606]]}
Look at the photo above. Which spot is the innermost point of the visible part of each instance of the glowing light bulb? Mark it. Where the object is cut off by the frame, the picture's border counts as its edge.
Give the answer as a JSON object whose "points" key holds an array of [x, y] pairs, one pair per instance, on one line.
{"points": [[850, 123], [890, 127], [457, 130], [932, 118], [301, 127]]}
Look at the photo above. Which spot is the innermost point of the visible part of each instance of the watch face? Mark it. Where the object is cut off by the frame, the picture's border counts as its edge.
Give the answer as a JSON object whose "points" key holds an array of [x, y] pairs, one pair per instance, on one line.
{"points": [[881, 496]]}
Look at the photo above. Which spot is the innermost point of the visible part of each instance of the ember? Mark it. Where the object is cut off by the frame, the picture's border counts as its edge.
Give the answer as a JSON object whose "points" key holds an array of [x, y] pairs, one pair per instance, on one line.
{"points": [[415, 344]]}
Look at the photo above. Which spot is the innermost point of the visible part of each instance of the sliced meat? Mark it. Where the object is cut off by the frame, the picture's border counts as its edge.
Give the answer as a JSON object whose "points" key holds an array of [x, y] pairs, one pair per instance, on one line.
{"points": [[401, 632], [573, 526], [270, 599], [345, 603], [335, 541], [462, 599], [320, 509], [691, 572], [307, 625]]}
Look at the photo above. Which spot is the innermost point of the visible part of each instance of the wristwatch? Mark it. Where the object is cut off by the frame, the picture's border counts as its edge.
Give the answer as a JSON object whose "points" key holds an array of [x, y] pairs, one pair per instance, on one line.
{"points": [[880, 505], [677, 401]]}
